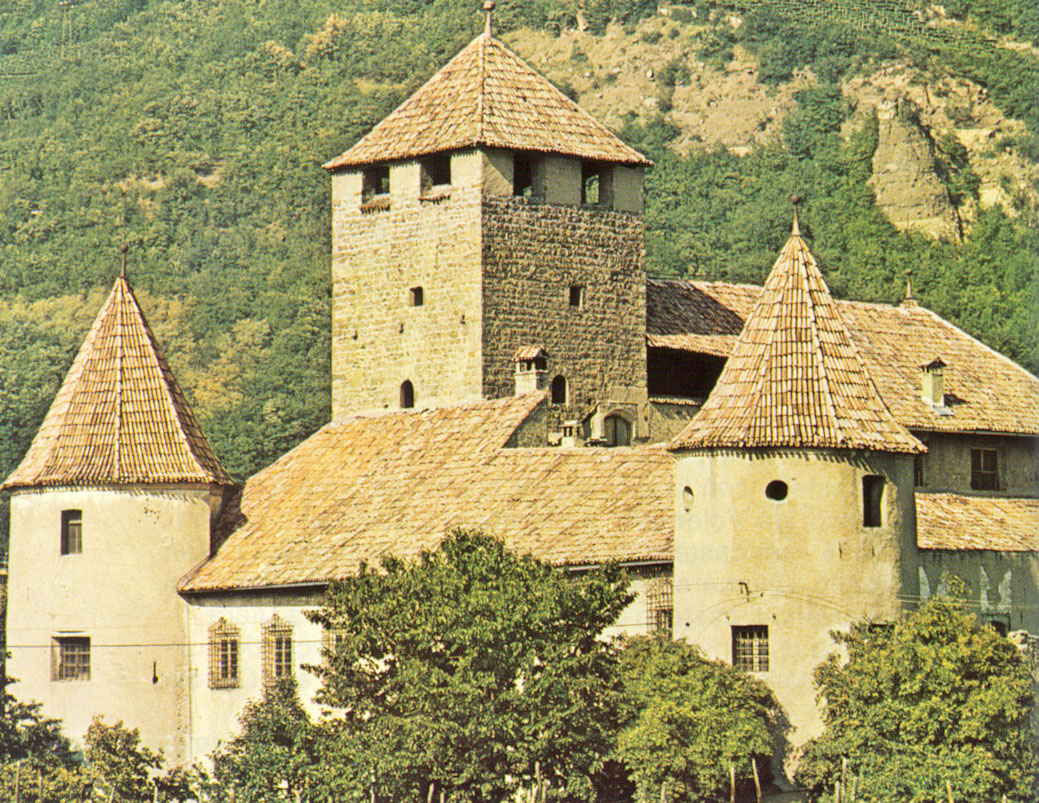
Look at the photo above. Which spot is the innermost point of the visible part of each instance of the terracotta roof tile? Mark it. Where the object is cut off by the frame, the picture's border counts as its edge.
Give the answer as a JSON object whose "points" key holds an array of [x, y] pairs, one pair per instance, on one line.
{"points": [[120, 416], [957, 521], [487, 95], [795, 377], [396, 484], [985, 391]]}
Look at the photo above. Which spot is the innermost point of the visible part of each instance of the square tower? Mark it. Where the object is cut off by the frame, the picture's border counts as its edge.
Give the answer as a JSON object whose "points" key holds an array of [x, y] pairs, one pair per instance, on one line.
{"points": [[485, 214]]}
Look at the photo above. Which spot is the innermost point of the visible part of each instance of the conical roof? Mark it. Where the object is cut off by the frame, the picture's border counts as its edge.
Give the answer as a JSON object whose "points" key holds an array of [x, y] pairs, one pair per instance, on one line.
{"points": [[487, 95], [120, 416], [795, 377]]}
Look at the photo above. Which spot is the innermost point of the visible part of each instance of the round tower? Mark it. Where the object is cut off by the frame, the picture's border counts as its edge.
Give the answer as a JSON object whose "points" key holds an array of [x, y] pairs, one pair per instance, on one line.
{"points": [[794, 484], [110, 507]]}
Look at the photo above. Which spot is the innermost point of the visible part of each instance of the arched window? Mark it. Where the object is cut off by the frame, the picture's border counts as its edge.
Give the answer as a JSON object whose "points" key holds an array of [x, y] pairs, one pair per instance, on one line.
{"points": [[559, 390], [617, 430], [407, 394]]}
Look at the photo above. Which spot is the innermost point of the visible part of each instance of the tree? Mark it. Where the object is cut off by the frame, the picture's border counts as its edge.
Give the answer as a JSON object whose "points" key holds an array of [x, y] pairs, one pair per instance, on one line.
{"points": [[688, 719], [935, 698], [473, 670], [273, 757], [125, 766], [27, 734]]}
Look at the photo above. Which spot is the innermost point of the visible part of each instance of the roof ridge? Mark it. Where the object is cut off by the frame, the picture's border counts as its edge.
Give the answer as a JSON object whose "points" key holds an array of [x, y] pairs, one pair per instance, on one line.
{"points": [[824, 377], [483, 84]]}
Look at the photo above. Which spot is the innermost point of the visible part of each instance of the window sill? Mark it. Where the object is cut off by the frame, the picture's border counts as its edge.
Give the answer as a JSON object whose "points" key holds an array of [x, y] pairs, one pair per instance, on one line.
{"points": [[378, 203], [436, 194]]}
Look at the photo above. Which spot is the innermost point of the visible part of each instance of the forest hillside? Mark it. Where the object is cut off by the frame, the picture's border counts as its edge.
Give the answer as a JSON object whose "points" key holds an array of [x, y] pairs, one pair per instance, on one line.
{"points": [[194, 131]]}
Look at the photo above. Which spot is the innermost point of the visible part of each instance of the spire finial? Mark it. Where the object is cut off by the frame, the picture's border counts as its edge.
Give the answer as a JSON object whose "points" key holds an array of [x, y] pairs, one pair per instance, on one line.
{"points": [[488, 6], [796, 199], [122, 269], [910, 299]]}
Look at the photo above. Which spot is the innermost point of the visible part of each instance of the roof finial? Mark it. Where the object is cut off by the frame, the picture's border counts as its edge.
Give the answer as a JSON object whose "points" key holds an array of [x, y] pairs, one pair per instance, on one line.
{"points": [[488, 6], [796, 199], [122, 269], [910, 299]]}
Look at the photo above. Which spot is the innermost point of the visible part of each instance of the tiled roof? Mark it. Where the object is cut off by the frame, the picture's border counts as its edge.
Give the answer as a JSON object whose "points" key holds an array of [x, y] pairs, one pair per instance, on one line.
{"points": [[119, 416], [956, 521], [395, 484], [487, 95], [984, 390], [794, 377]]}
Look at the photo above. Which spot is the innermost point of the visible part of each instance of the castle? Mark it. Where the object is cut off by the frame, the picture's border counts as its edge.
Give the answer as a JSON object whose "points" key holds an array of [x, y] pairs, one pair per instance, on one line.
{"points": [[769, 464]]}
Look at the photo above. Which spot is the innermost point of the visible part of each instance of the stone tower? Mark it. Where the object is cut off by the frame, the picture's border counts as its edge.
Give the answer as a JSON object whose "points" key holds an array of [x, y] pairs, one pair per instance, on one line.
{"points": [[111, 506], [486, 214], [794, 483]]}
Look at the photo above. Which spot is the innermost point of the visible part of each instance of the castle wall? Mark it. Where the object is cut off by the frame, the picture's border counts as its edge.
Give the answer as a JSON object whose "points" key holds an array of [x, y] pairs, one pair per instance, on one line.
{"points": [[801, 566], [379, 339], [120, 592], [532, 254], [947, 464]]}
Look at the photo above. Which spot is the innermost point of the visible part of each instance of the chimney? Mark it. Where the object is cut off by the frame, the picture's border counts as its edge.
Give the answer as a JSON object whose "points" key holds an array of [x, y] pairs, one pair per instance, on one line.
{"points": [[932, 382], [531, 369], [571, 433]]}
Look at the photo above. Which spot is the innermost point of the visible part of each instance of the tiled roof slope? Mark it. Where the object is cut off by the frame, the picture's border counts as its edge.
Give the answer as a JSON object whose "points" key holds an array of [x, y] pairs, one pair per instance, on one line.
{"points": [[795, 377], [395, 484], [984, 390], [487, 95], [957, 521], [120, 416]]}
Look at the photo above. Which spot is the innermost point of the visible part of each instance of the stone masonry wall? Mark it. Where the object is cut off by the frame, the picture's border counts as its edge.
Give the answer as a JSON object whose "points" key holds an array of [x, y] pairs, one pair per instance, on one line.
{"points": [[379, 339], [532, 254], [947, 464]]}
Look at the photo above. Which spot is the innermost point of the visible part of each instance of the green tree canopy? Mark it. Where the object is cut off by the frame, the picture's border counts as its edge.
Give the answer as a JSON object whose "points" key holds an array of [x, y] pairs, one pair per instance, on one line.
{"points": [[935, 698], [689, 719], [471, 669]]}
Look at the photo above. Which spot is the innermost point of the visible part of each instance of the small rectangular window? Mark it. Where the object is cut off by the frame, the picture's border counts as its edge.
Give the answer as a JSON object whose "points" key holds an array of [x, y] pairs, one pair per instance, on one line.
{"points": [[224, 640], [71, 658], [376, 181], [71, 532], [577, 296], [416, 297], [436, 171], [872, 501], [750, 647], [984, 469], [522, 175], [918, 470], [591, 183]]}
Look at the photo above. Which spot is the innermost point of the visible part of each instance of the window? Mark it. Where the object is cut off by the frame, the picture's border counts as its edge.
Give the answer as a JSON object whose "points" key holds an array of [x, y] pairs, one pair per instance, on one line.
{"points": [[407, 394], [591, 183], [71, 532], [577, 296], [750, 647], [617, 430], [872, 501], [560, 392], [984, 469], [918, 470], [436, 172], [660, 606], [416, 297], [71, 658], [277, 650], [224, 639], [375, 181], [998, 622], [522, 175]]}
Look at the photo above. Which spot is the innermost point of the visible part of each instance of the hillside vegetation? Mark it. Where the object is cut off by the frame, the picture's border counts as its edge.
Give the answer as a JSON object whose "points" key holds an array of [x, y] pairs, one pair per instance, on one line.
{"points": [[194, 131]]}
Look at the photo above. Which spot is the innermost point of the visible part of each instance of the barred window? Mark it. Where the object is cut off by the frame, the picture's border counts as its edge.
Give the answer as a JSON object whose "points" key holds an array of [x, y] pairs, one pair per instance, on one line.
{"points": [[70, 658], [331, 641], [660, 605], [224, 640], [750, 647], [277, 650]]}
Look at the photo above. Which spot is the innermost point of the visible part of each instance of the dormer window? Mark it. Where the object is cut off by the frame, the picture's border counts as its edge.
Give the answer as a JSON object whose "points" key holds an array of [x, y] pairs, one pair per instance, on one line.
{"points": [[617, 430], [375, 184], [436, 173]]}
